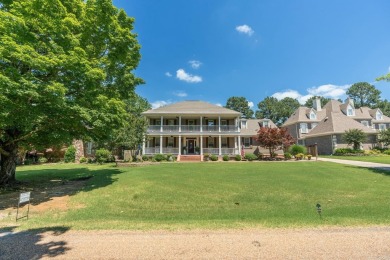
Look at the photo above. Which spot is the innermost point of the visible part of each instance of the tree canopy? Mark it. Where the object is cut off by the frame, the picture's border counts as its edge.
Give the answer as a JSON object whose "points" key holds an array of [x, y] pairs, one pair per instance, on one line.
{"points": [[277, 110], [364, 94], [274, 138], [354, 137], [240, 104], [66, 67], [384, 137]]}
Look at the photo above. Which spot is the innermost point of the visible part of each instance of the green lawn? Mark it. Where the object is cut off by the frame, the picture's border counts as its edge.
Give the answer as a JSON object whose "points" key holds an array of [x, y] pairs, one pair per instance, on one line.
{"points": [[371, 158], [216, 195]]}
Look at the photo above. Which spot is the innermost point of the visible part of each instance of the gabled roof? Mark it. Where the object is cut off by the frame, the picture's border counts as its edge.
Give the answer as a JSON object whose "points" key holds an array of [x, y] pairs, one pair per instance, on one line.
{"points": [[192, 108], [337, 122], [253, 125], [302, 114]]}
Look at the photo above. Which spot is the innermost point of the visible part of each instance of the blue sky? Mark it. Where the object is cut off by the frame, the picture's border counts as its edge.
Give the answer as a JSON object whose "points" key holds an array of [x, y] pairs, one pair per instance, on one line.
{"points": [[211, 50]]}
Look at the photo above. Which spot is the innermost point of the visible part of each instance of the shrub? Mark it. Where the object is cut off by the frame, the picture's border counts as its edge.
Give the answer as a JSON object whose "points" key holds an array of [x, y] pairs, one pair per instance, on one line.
{"points": [[145, 158], [205, 157], [238, 157], [159, 157], [347, 151], [42, 160], [225, 158], [372, 152], [70, 154], [299, 156], [250, 156], [260, 156], [91, 160], [296, 149], [309, 156], [387, 152], [83, 159], [287, 156], [169, 158], [102, 155], [213, 157]]}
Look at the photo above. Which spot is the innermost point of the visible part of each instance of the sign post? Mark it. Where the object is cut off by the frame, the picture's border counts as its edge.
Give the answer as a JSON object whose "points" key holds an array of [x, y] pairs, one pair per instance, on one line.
{"points": [[23, 198]]}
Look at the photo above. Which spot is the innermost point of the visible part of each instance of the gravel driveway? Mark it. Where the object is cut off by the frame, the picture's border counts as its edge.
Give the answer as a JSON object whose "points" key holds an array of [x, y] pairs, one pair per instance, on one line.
{"points": [[324, 243]]}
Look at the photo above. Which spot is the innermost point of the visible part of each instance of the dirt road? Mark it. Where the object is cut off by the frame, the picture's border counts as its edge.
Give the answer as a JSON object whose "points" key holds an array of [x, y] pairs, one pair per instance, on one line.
{"points": [[324, 243]]}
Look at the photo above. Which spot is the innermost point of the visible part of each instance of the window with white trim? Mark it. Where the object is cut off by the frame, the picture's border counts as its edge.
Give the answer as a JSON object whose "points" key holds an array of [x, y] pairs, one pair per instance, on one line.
{"points": [[210, 122], [247, 141], [382, 127], [304, 128], [365, 123], [243, 124], [170, 142], [350, 111], [224, 142], [313, 115], [379, 115], [265, 123], [89, 147], [211, 142]]}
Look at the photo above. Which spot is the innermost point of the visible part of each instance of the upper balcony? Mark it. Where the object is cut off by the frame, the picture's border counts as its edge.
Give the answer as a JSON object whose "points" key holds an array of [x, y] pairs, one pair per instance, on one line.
{"points": [[193, 129]]}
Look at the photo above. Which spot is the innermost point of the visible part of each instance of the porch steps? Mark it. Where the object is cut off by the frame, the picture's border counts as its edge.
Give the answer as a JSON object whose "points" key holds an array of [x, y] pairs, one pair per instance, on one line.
{"points": [[190, 158]]}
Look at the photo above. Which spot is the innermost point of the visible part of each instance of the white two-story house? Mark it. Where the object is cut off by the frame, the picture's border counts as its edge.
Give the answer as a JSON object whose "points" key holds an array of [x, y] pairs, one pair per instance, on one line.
{"points": [[192, 128]]}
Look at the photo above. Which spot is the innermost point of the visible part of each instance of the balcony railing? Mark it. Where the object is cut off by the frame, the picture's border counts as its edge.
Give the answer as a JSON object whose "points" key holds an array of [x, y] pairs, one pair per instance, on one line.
{"points": [[192, 128]]}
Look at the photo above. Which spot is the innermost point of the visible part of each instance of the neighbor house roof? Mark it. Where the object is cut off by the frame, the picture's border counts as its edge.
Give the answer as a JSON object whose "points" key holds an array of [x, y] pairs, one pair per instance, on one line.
{"points": [[337, 122], [192, 108], [253, 125]]}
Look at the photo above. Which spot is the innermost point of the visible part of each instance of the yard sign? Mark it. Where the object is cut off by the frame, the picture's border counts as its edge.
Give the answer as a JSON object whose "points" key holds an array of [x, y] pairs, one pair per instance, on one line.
{"points": [[23, 198]]}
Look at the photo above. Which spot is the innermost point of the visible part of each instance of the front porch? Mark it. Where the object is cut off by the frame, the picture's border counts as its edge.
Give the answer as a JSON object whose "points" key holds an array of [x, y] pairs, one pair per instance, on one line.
{"points": [[192, 145]]}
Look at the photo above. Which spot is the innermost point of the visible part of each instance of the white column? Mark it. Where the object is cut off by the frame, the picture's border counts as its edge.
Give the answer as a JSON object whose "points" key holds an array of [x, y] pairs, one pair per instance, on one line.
{"points": [[161, 126], [201, 124], [179, 124], [201, 145], [143, 145], [179, 144], [219, 123], [219, 145], [161, 143], [239, 145]]}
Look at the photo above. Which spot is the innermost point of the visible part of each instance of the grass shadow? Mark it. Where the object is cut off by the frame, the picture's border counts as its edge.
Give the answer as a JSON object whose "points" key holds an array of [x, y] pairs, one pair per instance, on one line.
{"points": [[33, 243], [48, 184]]}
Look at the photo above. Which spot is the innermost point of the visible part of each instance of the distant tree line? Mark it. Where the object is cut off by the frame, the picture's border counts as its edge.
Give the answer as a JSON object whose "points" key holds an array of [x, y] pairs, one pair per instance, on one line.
{"points": [[363, 94]]}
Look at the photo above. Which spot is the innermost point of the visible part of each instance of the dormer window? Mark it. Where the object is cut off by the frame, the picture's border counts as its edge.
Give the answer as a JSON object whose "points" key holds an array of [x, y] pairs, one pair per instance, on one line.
{"points": [[265, 123], [243, 124], [313, 115], [379, 115], [350, 111]]}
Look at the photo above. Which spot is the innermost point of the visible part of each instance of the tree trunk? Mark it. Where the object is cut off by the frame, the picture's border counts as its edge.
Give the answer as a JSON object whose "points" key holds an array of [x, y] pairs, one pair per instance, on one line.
{"points": [[8, 166]]}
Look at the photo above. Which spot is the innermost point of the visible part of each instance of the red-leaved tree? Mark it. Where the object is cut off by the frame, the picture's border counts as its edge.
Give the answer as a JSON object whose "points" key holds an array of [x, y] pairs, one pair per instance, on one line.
{"points": [[274, 138]]}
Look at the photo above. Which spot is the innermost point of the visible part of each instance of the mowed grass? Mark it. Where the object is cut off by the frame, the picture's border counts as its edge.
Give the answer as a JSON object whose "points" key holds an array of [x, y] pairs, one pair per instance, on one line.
{"points": [[219, 195], [372, 158]]}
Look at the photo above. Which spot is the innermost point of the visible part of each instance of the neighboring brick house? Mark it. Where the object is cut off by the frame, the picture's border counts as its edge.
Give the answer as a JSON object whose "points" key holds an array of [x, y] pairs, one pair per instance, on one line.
{"points": [[194, 128], [325, 126]]}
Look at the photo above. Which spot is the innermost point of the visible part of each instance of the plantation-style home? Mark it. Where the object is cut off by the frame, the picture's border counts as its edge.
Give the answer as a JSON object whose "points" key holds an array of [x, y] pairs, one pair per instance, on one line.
{"points": [[325, 126], [190, 129]]}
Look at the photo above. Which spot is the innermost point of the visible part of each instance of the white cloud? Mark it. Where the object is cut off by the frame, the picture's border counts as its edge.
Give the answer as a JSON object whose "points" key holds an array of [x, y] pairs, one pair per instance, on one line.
{"points": [[180, 93], [250, 104], [182, 75], [245, 29], [168, 74], [328, 90], [219, 104], [195, 64], [160, 103]]}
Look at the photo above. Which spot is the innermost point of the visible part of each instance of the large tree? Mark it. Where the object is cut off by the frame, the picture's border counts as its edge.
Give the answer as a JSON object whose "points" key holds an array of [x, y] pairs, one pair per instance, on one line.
{"points": [[274, 138], [65, 69], [240, 104], [384, 137], [276, 110], [364, 94], [354, 137]]}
